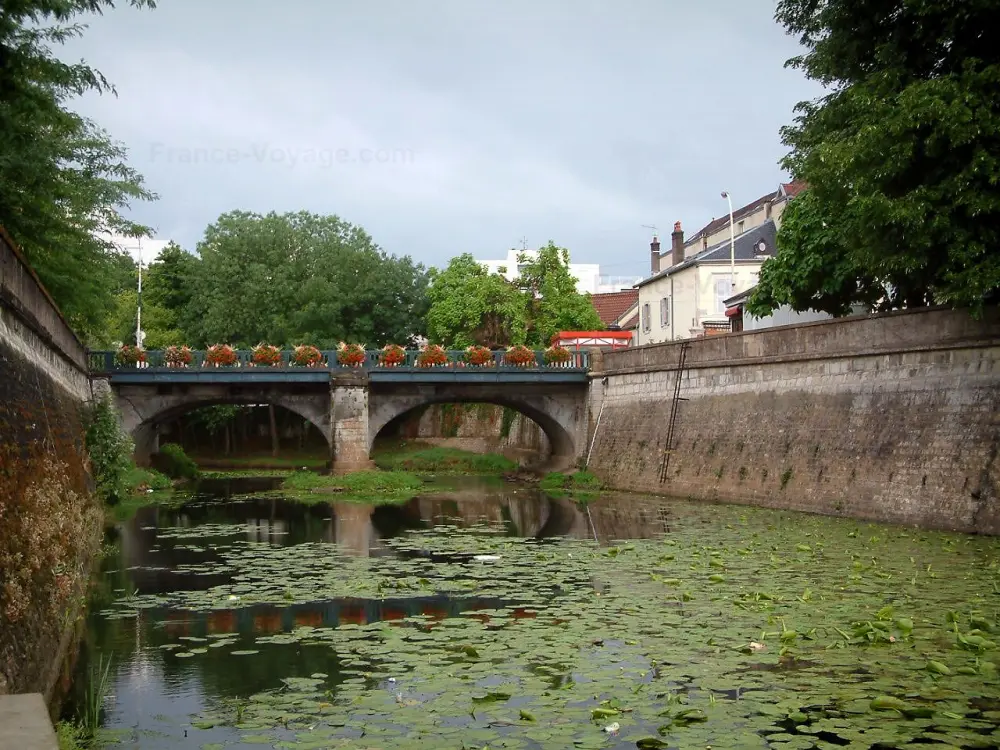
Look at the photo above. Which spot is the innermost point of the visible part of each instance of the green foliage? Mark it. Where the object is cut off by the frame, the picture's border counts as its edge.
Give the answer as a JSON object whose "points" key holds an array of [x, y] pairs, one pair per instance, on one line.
{"points": [[507, 421], [902, 159], [166, 294], [553, 303], [138, 478], [110, 453], [469, 305], [215, 418], [579, 480], [62, 178], [299, 277], [175, 463], [373, 487], [422, 458]]}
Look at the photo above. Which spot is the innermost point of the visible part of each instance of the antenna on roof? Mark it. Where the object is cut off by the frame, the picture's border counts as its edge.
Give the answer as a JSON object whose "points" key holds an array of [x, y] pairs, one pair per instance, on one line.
{"points": [[524, 244], [650, 226]]}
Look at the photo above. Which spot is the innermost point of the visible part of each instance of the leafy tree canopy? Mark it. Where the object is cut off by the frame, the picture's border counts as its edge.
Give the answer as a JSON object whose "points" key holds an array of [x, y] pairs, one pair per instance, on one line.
{"points": [[469, 305], [166, 293], [62, 179], [300, 278], [553, 303], [902, 158]]}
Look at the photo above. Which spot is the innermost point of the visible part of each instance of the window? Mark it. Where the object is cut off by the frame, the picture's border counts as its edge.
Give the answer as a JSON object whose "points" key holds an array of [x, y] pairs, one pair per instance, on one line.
{"points": [[646, 324], [739, 228], [664, 312], [723, 291], [521, 268]]}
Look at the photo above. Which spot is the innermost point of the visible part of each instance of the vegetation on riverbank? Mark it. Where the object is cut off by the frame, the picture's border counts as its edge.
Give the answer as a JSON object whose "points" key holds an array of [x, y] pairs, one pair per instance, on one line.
{"points": [[372, 487], [175, 463], [580, 485], [110, 453], [425, 458]]}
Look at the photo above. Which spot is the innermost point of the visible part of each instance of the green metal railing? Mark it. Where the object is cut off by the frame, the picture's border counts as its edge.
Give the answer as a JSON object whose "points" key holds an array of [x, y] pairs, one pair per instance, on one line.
{"points": [[108, 361]]}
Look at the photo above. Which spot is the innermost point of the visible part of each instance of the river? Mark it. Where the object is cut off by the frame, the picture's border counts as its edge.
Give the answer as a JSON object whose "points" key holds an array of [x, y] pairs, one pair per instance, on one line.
{"points": [[489, 615]]}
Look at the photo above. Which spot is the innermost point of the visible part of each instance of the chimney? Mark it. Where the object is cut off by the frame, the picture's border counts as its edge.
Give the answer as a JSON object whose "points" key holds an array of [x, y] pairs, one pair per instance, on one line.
{"points": [[654, 255], [677, 244]]}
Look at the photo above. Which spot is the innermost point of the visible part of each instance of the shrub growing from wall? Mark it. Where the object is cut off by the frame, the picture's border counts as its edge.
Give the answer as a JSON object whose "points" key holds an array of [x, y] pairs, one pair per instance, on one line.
{"points": [[110, 451]]}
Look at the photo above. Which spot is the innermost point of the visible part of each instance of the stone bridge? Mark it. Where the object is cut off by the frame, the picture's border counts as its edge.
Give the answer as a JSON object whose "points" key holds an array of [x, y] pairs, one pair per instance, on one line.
{"points": [[350, 406]]}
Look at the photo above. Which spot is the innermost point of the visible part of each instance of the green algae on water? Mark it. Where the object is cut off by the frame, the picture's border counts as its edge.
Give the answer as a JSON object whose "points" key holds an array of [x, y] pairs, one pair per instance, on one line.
{"points": [[722, 633]]}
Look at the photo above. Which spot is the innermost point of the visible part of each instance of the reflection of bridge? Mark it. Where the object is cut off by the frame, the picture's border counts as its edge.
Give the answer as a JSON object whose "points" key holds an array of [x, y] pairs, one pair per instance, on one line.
{"points": [[351, 404]]}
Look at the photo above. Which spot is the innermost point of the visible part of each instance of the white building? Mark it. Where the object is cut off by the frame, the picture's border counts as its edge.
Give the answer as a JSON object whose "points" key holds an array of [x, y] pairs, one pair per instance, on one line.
{"points": [[587, 275]]}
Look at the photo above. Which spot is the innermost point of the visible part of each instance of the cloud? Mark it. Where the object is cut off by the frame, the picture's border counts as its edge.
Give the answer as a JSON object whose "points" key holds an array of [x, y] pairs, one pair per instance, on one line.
{"points": [[444, 126]]}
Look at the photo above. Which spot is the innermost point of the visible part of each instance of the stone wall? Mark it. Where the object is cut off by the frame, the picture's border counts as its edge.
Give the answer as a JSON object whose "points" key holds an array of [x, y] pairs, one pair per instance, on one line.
{"points": [[891, 417], [49, 521], [481, 428]]}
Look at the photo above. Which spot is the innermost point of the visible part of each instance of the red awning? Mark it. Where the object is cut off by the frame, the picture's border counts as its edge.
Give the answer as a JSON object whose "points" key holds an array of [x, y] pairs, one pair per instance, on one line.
{"points": [[732, 312]]}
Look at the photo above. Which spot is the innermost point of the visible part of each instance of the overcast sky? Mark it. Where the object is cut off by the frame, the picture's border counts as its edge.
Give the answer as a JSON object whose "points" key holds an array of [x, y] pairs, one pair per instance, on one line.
{"points": [[450, 126]]}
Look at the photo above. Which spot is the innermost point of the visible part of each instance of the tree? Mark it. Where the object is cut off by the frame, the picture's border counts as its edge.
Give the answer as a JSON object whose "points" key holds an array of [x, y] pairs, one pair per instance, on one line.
{"points": [[62, 179], [301, 278], [166, 294], [469, 305], [554, 303], [902, 158]]}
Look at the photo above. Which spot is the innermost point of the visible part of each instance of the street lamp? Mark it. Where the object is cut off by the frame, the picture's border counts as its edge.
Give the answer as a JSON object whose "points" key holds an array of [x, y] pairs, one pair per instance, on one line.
{"points": [[732, 244], [138, 311]]}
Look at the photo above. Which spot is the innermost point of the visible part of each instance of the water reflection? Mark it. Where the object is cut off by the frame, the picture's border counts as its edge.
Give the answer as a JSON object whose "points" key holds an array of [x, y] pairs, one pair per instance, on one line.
{"points": [[161, 550]]}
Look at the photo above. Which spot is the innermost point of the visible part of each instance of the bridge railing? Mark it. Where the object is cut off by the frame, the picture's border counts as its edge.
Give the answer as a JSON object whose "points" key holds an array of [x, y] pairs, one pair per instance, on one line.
{"points": [[154, 359]]}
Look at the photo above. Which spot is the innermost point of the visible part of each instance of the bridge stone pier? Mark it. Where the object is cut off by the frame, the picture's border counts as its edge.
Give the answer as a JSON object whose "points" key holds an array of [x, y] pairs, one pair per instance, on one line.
{"points": [[351, 406]]}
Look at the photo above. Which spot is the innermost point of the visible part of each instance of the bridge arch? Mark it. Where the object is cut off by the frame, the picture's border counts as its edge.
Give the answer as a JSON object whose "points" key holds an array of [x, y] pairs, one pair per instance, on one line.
{"points": [[142, 412], [560, 412]]}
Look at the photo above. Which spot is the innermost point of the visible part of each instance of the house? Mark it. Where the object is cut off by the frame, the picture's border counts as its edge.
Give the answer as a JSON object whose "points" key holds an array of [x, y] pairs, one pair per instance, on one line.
{"points": [[616, 308], [753, 214], [740, 320], [688, 298]]}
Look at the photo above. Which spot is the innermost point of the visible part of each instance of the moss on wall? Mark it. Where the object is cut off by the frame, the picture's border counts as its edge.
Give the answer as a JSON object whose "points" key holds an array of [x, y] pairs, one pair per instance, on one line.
{"points": [[50, 522]]}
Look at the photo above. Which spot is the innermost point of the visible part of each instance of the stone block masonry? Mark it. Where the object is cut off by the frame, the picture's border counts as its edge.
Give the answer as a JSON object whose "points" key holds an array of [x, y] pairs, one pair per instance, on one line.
{"points": [[349, 424], [891, 417]]}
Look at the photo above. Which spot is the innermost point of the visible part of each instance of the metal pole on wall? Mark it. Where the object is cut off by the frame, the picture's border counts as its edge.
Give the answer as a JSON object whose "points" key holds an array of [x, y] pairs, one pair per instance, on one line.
{"points": [[732, 244]]}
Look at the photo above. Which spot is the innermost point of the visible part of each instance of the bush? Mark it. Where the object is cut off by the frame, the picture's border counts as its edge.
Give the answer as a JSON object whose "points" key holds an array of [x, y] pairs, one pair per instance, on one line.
{"points": [[147, 478], [175, 463], [110, 453], [577, 484]]}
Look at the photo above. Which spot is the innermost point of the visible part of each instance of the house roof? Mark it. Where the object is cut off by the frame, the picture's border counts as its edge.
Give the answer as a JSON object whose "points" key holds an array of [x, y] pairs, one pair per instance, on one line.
{"points": [[632, 323], [739, 299], [612, 305], [793, 188], [744, 249], [785, 190]]}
